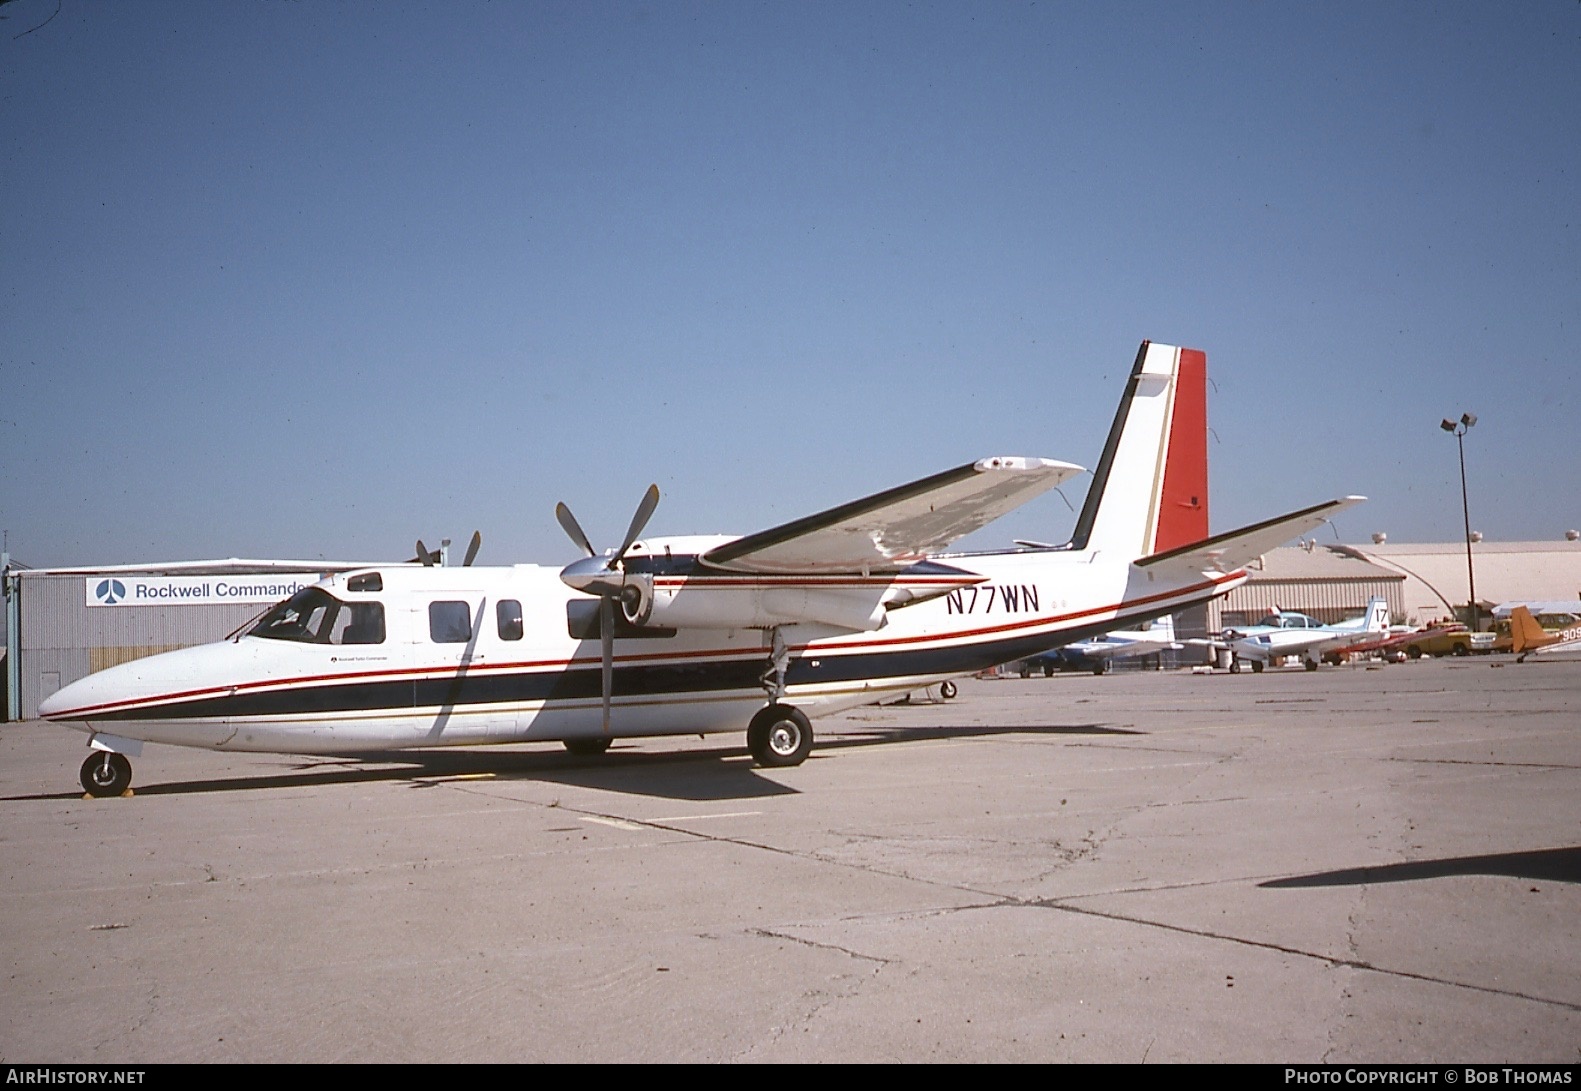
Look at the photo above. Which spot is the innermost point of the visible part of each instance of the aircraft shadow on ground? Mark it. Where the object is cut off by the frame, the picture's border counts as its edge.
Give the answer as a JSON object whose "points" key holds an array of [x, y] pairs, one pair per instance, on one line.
{"points": [[697, 773], [1549, 865]]}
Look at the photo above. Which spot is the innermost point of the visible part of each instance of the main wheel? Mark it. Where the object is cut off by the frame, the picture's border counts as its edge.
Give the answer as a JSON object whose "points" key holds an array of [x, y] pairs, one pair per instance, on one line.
{"points": [[1311, 664], [1257, 666], [947, 690], [1235, 666], [779, 736], [588, 747], [106, 774]]}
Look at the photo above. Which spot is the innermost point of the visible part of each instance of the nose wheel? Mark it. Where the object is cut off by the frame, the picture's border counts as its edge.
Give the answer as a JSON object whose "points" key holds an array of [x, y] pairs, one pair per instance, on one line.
{"points": [[106, 774], [779, 736]]}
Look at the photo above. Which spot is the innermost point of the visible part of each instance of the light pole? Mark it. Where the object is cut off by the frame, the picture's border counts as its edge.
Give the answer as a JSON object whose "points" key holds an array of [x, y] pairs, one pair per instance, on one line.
{"points": [[1458, 429]]}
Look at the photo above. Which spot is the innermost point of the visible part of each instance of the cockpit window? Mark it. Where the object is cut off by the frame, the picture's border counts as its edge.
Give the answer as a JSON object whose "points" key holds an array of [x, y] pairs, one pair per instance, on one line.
{"points": [[314, 616]]}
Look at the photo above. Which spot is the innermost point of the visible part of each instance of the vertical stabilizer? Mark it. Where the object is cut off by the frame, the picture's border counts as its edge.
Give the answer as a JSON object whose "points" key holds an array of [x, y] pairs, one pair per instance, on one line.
{"points": [[1526, 633], [1377, 616], [1149, 492]]}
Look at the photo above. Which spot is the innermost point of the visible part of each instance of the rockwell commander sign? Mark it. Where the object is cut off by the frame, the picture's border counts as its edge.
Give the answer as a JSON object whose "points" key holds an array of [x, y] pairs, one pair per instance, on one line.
{"points": [[193, 590]]}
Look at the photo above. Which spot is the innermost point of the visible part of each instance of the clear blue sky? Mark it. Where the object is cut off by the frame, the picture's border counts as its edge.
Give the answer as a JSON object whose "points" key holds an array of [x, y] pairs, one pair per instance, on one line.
{"points": [[316, 279]]}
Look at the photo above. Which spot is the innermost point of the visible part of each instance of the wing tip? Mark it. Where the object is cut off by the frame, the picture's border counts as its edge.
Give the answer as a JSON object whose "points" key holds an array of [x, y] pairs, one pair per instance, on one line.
{"points": [[1024, 464]]}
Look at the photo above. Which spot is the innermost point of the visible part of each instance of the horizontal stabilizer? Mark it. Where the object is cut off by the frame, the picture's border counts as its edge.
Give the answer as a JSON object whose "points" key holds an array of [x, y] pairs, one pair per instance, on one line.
{"points": [[898, 527], [1238, 548]]}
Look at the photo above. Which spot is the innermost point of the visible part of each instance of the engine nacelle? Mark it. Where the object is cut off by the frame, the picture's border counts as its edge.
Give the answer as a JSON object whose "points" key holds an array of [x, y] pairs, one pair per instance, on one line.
{"points": [[752, 605]]}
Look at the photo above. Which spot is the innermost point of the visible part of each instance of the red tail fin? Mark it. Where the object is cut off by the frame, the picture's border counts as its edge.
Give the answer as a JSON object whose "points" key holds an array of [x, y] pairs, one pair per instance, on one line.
{"points": [[1183, 507]]}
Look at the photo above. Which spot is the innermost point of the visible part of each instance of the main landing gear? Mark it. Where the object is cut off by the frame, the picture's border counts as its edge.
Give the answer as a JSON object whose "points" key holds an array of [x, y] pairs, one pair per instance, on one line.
{"points": [[779, 736], [106, 773]]}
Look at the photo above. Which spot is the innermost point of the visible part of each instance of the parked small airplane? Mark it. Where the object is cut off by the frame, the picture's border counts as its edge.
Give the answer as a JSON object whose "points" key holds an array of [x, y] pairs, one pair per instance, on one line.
{"points": [[1099, 653], [1286, 633], [673, 636], [1528, 637]]}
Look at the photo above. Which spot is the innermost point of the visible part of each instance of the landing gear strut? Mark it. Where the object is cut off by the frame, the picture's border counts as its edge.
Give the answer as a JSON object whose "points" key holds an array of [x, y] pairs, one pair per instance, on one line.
{"points": [[779, 736], [106, 773], [773, 678]]}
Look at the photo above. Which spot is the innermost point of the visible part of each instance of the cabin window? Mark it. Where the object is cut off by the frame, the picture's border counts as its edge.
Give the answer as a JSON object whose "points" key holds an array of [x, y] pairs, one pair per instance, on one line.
{"points": [[313, 616], [508, 613], [367, 581], [449, 622]]}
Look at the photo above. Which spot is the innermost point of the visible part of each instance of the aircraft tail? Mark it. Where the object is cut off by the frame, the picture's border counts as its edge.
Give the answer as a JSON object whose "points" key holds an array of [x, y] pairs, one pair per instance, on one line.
{"points": [[1149, 492], [1526, 634], [1377, 617], [1164, 626]]}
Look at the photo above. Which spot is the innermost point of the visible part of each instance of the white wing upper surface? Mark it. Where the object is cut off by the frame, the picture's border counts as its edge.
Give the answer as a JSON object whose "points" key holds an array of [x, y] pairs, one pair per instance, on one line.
{"points": [[898, 527], [1236, 548]]}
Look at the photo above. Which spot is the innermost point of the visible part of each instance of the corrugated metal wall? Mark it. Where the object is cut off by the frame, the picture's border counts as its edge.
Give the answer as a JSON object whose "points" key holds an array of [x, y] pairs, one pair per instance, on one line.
{"points": [[1327, 600]]}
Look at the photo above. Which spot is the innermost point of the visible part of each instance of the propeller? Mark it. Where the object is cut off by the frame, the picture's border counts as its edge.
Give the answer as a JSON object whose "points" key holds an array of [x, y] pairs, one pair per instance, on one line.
{"points": [[601, 576]]}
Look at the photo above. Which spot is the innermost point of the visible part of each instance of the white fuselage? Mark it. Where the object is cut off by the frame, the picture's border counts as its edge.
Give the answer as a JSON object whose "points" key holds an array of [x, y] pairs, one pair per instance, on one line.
{"points": [[497, 680]]}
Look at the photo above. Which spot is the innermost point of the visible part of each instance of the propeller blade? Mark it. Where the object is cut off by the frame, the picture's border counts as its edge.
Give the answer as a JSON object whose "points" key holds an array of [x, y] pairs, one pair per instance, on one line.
{"points": [[472, 548], [606, 632], [423, 555], [650, 500], [572, 528]]}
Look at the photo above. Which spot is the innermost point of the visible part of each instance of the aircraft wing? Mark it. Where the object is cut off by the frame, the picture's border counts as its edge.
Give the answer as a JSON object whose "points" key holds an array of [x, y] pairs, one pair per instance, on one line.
{"points": [[1122, 649], [1237, 548], [898, 527]]}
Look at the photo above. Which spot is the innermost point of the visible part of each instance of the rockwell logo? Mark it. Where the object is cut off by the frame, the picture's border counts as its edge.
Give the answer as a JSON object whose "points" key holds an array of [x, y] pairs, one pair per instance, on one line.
{"points": [[110, 592]]}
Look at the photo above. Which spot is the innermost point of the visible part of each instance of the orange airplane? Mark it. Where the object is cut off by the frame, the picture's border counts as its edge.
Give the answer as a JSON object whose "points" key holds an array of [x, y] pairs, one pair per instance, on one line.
{"points": [[1527, 636]]}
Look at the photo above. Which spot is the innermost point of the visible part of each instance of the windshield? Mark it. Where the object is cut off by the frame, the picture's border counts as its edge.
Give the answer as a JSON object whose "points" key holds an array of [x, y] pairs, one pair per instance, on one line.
{"points": [[314, 616]]}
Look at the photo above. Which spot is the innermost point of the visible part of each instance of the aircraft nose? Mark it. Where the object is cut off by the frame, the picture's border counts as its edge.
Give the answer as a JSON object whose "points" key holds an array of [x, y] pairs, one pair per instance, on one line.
{"points": [[58, 705], [136, 680]]}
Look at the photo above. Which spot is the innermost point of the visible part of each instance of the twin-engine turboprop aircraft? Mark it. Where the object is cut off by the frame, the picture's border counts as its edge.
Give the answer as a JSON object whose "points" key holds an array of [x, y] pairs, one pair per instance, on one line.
{"points": [[671, 636]]}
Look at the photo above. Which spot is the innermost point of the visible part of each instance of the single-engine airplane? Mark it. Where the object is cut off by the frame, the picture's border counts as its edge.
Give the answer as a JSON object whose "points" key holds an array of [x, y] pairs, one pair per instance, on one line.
{"points": [[1528, 637], [1286, 633], [689, 635]]}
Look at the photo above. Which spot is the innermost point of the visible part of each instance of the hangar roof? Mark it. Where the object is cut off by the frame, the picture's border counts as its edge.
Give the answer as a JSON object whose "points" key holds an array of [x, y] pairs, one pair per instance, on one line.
{"points": [[233, 566], [1299, 563]]}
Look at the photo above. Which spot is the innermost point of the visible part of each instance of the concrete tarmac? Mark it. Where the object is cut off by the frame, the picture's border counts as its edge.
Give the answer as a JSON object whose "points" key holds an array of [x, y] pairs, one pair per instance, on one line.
{"points": [[1354, 865]]}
